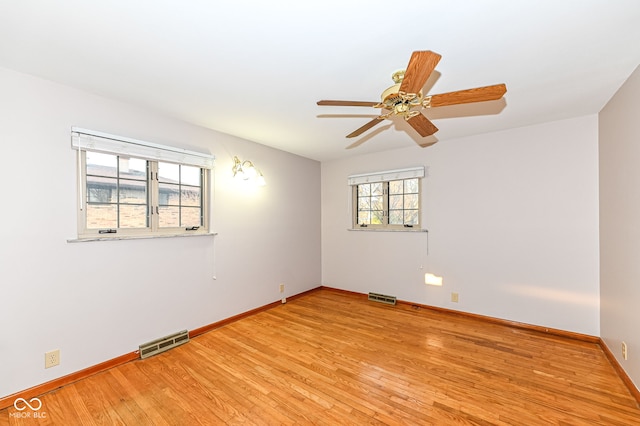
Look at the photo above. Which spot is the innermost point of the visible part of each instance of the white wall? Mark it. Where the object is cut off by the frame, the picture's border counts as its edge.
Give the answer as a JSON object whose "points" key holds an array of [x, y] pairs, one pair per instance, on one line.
{"points": [[96, 301], [512, 219], [620, 224]]}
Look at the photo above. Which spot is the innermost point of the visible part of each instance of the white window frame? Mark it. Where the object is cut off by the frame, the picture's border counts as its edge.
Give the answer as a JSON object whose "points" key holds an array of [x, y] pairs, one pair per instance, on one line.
{"points": [[385, 177], [84, 141]]}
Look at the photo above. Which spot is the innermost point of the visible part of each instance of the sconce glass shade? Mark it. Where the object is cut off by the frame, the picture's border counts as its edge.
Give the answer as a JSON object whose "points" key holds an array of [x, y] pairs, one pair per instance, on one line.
{"points": [[246, 171], [431, 279]]}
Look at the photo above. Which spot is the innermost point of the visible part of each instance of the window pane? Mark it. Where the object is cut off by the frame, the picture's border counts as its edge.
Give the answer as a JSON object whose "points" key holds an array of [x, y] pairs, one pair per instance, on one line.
{"points": [[190, 175], [169, 217], [101, 189], [395, 202], [191, 216], [133, 191], [376, 188], [377, 218], [411, 186], [395, 187], [100, 216], [395, 217], [364, 217], [364, 190], [376, 203], [364, 203], [190, 196], [132, 168], [411, 201], [169, 194], [168, 172], [133, 216], [101, 164], [411, 217]]}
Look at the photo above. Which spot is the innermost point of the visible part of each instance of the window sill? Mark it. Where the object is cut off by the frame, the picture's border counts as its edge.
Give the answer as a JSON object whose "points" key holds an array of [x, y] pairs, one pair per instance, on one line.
{"points": [[386, 230], [139, 237]]}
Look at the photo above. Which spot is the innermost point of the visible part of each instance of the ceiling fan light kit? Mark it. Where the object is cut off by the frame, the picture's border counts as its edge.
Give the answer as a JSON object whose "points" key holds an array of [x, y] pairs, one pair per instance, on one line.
{"points": [[406, 99]]}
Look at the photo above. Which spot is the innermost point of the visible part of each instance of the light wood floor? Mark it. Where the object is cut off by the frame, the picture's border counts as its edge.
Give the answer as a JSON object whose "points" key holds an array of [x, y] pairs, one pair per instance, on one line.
{"points": [[334, 358]]}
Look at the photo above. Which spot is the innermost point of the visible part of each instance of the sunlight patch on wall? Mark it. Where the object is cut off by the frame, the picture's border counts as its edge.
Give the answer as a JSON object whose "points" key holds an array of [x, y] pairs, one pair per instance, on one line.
{"points": [[569, 297]]}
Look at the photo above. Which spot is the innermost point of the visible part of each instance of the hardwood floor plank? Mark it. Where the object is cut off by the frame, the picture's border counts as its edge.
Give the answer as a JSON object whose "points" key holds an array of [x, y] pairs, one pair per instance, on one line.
{"points": [[331, 357]]}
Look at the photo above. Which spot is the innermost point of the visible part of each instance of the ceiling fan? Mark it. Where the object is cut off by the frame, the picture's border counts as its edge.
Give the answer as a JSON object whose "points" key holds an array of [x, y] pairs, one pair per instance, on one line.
{"points": [[405, 97]]}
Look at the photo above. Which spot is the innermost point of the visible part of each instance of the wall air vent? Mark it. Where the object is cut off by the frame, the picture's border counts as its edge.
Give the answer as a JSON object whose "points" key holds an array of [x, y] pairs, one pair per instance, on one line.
{"points": [[163, 344], [382, 298]]}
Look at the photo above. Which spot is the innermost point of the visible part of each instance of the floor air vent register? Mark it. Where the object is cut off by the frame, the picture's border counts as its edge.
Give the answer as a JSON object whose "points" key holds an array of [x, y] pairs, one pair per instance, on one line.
{"points": [[382, 298], [163, 344]]}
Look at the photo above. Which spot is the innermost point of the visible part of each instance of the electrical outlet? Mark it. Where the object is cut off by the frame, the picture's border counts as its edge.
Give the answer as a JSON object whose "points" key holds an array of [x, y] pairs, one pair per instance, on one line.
{"points": [[281, 288], [51, 358], [625, 354], [454, 297]]}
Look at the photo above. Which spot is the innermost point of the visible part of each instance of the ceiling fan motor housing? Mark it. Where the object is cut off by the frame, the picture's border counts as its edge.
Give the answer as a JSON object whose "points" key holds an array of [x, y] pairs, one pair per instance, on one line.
{"points": [[397, 102]]}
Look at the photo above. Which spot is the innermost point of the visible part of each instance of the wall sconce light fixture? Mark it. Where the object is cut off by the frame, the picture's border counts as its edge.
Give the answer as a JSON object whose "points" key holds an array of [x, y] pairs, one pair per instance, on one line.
{"points": [[246, 171]]}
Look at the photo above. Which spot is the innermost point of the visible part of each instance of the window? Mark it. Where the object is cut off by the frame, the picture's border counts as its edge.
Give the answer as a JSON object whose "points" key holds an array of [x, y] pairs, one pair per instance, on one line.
{"points": [[180, 195], [133, 188], [388, 200]]}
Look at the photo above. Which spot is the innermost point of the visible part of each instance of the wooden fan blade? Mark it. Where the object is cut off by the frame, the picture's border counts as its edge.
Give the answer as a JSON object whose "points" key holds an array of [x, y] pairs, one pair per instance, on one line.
{"points": [[422, 125], [347, 103], [364, 128], [479, 94], [421, 65]]}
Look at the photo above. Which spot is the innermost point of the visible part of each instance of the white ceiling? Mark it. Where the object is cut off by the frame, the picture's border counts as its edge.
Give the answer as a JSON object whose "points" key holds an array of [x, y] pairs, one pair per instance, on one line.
{"points": [[255, 68]]}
